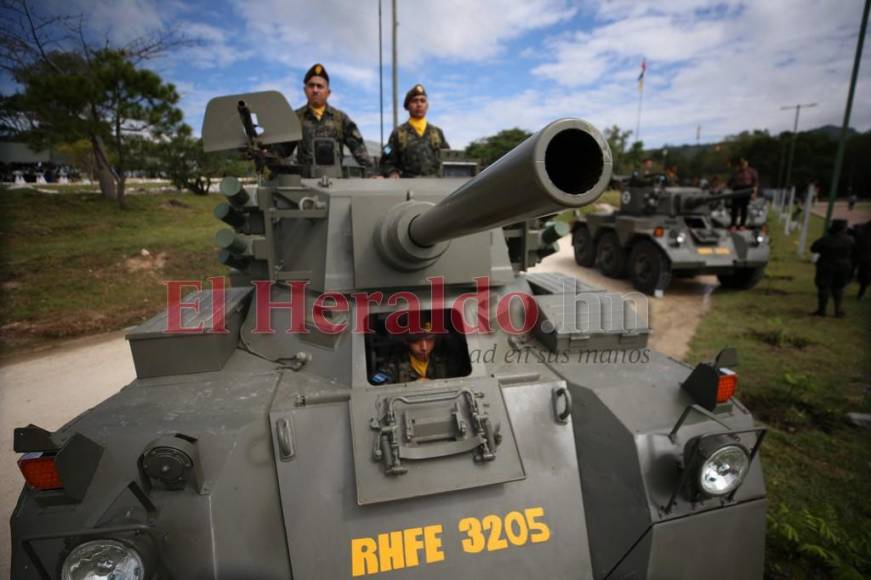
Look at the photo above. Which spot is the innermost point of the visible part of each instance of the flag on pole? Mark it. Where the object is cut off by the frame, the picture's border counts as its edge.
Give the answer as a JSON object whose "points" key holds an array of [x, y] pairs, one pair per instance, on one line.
{"points": [[641, 76]]}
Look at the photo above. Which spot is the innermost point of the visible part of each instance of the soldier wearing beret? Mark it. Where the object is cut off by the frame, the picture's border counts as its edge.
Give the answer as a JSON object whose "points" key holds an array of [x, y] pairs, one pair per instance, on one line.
{"points": [[417, 361], [413, 148], [834, 266], [321, 121]]}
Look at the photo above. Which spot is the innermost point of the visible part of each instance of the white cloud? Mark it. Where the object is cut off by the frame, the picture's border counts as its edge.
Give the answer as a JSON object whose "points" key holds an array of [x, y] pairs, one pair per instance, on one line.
{"points": [[344, 35], [725, 66]]}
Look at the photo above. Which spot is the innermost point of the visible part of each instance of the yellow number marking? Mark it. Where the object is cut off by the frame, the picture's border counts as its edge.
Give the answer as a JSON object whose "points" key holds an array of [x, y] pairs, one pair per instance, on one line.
{"points": [[473, 543], [539, 532], [519, 535], [495, 541]]}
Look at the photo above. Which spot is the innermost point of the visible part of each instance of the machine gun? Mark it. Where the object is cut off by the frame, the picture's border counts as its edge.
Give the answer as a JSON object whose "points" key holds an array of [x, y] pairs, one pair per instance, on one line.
{"points": [[694, 201]]}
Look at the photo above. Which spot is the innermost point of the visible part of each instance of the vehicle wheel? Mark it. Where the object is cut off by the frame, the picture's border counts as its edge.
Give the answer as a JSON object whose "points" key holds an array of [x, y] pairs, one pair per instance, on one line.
{"points": [[610, 257], [742, 279], [649, 268], [582, 242]]}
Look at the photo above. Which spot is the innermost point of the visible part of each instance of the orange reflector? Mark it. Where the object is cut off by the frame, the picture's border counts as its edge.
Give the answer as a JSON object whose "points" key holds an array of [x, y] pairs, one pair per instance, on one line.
{"points": [[726, 385], [39, 471], [658, 232]]}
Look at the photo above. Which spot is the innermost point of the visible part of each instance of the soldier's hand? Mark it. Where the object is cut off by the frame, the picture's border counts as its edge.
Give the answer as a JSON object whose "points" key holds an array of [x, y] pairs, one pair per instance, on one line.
{"points": [[394, 175]]}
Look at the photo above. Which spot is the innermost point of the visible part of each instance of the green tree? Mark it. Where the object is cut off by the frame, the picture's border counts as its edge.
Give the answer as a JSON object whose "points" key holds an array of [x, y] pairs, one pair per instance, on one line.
{"points": [[489, 149], [185, 163], [70, 90]]}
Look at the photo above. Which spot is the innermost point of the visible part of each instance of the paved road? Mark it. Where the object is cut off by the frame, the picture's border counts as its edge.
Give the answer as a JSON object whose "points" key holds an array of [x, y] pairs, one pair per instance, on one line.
{"points": [[48, 391]]}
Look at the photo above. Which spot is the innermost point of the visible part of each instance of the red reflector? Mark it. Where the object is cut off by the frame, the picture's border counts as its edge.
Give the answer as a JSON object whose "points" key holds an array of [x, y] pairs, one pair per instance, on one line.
{"points": [[658, 232], [726, 385], [39, 471]]}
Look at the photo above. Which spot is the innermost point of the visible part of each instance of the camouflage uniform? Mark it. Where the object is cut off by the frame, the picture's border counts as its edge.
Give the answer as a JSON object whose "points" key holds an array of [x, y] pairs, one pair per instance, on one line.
{"points": [[333, 124], [413, 155], [400, 371]]}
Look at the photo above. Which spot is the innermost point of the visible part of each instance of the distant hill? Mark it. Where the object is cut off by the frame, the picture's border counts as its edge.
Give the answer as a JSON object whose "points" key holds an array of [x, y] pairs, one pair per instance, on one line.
{"points": [[833, 132]]}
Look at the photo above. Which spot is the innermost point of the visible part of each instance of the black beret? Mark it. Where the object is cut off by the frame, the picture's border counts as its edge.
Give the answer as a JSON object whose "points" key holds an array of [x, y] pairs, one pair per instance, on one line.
{"points": [[424, 334], [316, 70], [413, 92]]}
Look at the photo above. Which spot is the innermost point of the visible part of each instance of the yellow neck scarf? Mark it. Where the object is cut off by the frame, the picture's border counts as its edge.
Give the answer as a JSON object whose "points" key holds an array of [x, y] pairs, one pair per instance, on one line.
{"points": [[318, 112], [418, 124], [418, 366]]}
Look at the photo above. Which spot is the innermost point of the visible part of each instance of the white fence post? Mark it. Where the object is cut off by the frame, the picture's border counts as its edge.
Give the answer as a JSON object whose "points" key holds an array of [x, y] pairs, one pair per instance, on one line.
{"points": [[806, 217]]}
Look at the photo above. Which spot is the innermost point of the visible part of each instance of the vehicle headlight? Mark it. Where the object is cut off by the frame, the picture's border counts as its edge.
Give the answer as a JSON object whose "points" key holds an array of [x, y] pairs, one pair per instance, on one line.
{"points": [[723, 470], [760, 239], [109, 559]]}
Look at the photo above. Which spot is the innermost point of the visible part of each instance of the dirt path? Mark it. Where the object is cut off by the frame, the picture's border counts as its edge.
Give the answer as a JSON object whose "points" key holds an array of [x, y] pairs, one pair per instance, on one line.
{"points": [[48, 391], [673, 318]]}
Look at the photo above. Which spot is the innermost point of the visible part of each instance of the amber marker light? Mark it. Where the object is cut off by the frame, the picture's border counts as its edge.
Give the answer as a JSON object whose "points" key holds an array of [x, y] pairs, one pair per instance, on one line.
{"points": [[727, 382], [658, 232]]}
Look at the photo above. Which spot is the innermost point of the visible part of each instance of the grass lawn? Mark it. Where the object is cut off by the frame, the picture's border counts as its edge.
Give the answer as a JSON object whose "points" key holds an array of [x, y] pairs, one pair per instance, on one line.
{"points": [[73, 264], [800, 375]]}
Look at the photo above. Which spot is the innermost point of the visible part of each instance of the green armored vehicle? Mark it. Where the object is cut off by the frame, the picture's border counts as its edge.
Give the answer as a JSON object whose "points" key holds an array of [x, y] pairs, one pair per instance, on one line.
{"points": [[264, 436], [659, 231]]}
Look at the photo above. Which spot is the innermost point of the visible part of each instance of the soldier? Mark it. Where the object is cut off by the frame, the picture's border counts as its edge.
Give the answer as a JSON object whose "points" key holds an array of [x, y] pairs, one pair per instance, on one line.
{"points": [[321, 121], [744, 177], [834, 266], [413, 147], [417, 361]]}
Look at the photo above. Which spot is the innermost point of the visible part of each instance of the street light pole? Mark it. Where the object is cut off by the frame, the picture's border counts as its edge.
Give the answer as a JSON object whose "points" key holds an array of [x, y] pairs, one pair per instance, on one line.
{"points": [[395, 71], [839, 158], [797, 108]]}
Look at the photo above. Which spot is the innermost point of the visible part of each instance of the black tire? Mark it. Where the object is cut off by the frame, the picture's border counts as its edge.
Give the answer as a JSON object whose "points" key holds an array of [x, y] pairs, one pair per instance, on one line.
{"points": [[610, 256], [649, 268], [582, 242], [742, 278]]}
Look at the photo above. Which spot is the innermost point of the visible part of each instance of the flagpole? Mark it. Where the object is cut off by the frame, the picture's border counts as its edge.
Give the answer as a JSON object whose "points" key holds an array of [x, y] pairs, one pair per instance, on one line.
{"points": [[640, 98], [638, 122]]}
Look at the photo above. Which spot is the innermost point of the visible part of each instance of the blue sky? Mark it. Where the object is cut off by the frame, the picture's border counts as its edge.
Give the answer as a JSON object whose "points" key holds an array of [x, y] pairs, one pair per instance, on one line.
{"points": [[493, 64]]}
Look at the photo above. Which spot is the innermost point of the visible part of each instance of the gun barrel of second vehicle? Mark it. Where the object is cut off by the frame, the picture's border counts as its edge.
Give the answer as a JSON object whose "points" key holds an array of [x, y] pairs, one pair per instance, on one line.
{"points": [[709, 199], [565, 165]]}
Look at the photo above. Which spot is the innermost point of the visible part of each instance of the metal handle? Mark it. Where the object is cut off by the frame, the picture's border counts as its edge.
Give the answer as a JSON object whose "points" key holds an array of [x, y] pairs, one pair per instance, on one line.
{"points": [[285, 441], [562, 392]]}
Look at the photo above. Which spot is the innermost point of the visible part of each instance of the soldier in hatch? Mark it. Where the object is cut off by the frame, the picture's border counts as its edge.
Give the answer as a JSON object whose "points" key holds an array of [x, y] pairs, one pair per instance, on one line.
{"points": [[417, 361], [321, 121], [413, 148]]}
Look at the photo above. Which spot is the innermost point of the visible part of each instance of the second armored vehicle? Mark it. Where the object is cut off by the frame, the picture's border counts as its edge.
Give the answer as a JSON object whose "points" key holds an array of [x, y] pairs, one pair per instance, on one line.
{"points": [[659, 231]]}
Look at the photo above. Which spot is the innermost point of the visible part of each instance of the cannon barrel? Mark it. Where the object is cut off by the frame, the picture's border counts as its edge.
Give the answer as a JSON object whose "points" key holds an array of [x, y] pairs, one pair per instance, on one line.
{"points": [[565, 165], [707, 199]]}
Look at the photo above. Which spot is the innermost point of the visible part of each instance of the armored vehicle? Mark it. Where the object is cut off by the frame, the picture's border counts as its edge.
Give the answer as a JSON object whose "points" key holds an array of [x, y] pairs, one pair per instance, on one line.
{"points": [[660, 230], [264, 438]]}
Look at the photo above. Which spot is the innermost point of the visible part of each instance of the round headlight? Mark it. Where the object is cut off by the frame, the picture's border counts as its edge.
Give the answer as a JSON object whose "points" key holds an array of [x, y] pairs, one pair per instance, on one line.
{"points": [[97, 559], [724, 470]]}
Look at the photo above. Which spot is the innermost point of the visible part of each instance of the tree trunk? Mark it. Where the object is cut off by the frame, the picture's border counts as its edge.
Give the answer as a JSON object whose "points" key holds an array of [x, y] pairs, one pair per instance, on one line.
{"points": [[121, 185], [105, 175]]}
